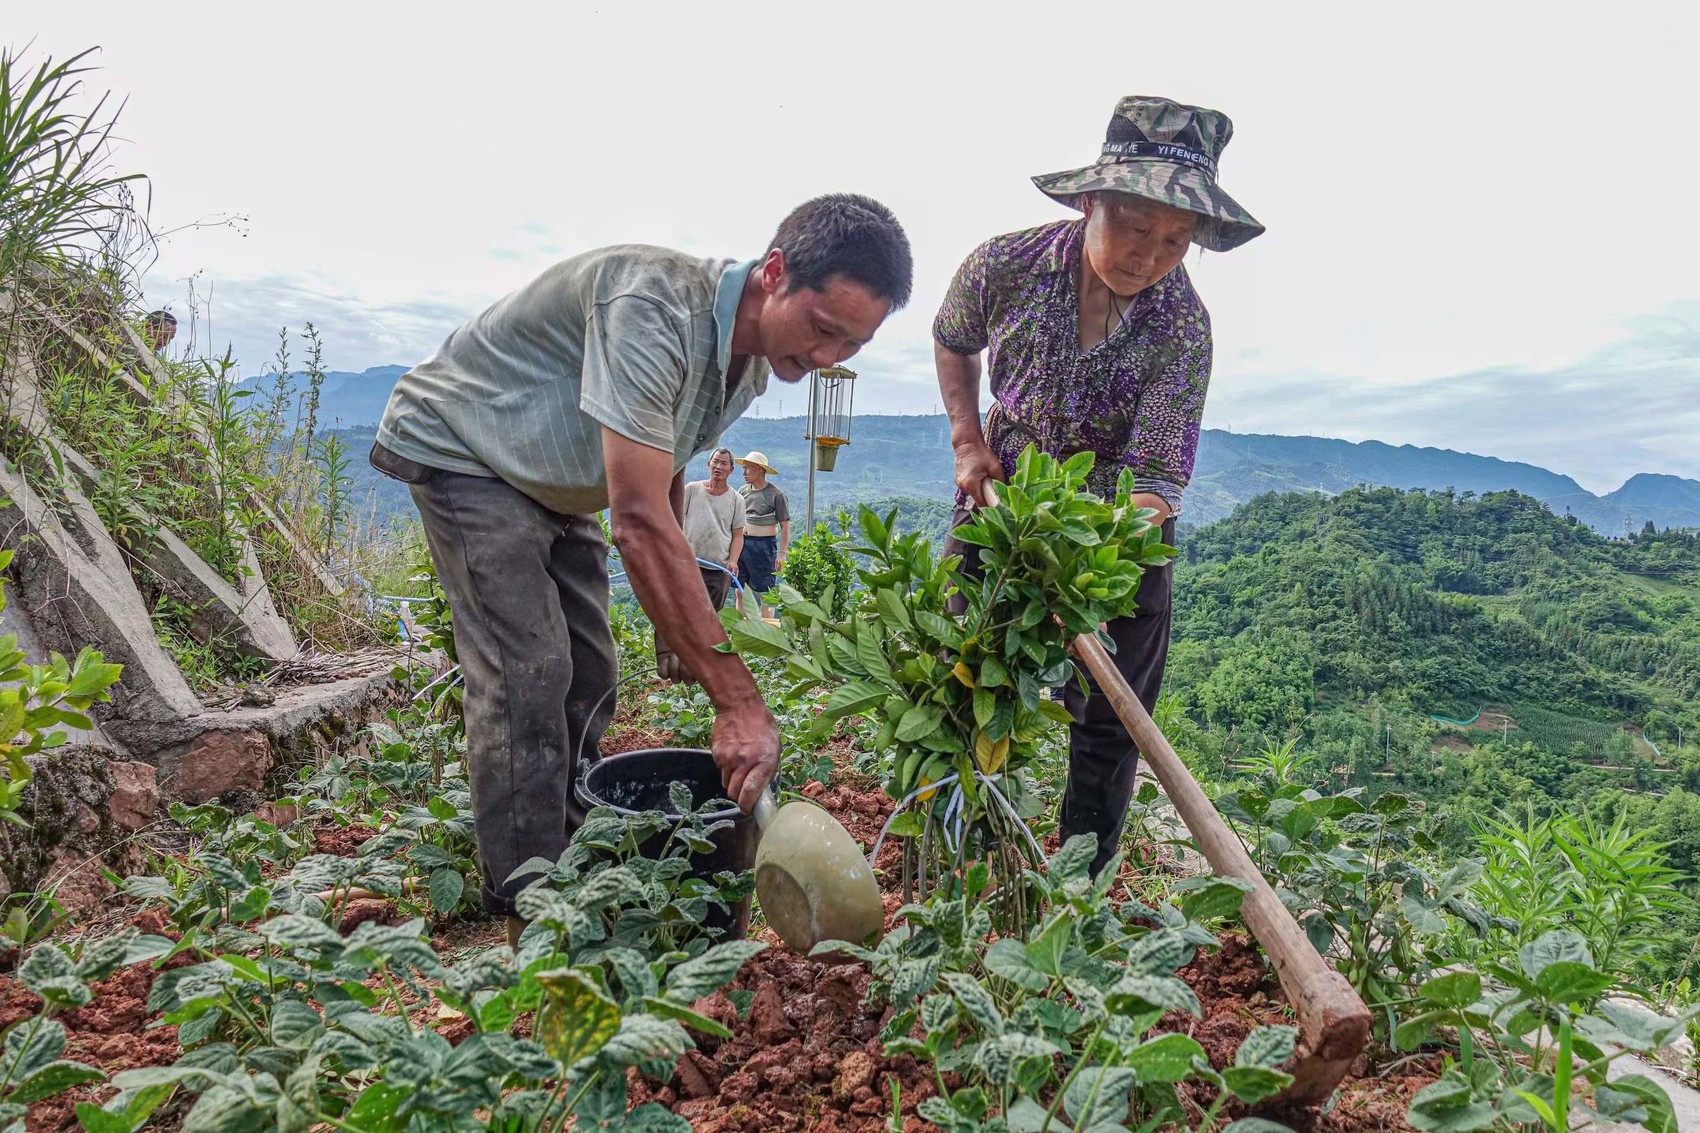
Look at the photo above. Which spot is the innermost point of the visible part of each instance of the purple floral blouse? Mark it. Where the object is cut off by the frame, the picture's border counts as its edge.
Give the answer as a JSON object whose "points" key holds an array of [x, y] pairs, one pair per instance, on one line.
{"points": [[1136, 399]]}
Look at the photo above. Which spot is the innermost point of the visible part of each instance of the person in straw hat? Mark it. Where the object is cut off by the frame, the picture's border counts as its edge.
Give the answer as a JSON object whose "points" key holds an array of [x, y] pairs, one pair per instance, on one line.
{"points": [[1096, 341], [767, 527]]}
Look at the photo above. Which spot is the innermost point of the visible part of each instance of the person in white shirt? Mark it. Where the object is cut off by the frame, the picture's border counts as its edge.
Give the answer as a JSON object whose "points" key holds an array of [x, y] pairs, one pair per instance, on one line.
{"points": [[713, 523]]}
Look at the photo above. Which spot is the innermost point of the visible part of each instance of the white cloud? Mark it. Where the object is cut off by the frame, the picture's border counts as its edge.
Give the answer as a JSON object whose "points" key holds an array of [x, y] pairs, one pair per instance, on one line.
{"points": [[1451, 189]]}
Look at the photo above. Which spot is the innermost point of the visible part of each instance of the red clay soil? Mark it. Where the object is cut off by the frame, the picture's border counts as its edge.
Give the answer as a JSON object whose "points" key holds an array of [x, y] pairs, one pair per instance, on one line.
{"points": [[1238, 992], [630, 729], [341, 841], [806, 1057], [110, 1034]]}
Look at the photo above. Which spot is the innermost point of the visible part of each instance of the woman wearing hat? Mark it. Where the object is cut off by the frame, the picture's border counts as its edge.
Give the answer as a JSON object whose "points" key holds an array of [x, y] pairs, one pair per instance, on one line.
{"points": [[767, 527], [1096, 341]]}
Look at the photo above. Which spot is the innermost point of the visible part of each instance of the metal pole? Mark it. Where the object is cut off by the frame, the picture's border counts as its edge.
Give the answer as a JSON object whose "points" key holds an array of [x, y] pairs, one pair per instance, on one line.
{"points": [[809, 512]]}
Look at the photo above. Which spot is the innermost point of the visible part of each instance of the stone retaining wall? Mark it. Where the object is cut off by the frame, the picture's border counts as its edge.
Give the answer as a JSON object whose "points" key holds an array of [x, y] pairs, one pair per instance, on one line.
{"points": [[87, 804]]}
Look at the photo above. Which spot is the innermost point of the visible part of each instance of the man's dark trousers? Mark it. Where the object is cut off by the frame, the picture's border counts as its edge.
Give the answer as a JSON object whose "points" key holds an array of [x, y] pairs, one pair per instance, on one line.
{"points": [[1102, 757], [528, 590]]}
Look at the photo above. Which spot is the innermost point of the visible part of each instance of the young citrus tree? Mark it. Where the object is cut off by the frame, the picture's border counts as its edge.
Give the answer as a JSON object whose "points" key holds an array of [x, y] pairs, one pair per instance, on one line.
{"points": [[956, 688]]}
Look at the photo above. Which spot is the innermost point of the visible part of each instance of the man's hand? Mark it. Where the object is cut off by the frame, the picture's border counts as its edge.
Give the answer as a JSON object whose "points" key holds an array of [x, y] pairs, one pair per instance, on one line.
{"points": [[669, 668], [746, 749], [976, 463]]}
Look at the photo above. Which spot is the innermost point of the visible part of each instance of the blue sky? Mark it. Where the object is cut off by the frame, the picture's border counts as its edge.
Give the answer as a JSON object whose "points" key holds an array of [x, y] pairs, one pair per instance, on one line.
{"points": [[1476, 235]]}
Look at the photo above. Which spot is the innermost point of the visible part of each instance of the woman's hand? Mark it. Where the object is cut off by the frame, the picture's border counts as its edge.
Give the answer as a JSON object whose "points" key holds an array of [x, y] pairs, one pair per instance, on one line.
{"points": [[976, 463]]}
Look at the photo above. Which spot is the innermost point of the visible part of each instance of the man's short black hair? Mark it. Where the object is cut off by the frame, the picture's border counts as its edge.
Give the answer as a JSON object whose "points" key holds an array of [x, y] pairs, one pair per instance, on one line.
{"points": [[850, 235], [161, 318]]}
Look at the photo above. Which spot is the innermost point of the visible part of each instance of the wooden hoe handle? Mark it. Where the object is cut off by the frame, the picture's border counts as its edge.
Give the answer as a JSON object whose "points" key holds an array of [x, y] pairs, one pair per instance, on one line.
{"points": [[1333, 1021], [1334, 1024]]}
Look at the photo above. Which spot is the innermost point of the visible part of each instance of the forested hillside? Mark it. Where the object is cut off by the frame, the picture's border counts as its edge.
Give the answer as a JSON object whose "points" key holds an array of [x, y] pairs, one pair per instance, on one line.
{"points": [[1568, 662]]}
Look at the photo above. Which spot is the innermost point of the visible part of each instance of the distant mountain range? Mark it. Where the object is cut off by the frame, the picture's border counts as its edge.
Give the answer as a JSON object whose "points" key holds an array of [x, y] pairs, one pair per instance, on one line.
{"points": [[910, 456]]}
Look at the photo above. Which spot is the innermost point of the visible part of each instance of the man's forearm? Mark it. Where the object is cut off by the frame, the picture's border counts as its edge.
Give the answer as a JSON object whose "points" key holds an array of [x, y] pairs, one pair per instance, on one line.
{"points": [[784, 537], [959, 389], [737, 545], [663, 573]]}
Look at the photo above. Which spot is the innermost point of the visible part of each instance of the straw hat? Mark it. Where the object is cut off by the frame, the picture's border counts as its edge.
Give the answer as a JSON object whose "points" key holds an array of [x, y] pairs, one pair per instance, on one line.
{"points": [[759, 459]]}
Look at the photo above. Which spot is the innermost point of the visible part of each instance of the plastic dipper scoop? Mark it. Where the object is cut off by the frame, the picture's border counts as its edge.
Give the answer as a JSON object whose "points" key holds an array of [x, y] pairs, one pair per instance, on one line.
{"points": [[812, 879]]}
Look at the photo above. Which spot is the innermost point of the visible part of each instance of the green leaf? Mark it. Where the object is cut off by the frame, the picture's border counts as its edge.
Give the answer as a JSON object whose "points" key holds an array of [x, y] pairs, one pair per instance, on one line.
{"points": [[1212, 898], [54, 1078], [1160, 953], [1099, 1094], [1135, 994], [248, 1106], [1421, 915], [1253, 1084], [577, 1020], [940, 628], [1565, 981], [871, 653], [1661, 1115], [1001, 1057], [1055, 712], [295, 1024], [1256, 1125], [1008, 958], [890, 605], [652, 1117], [31, 1045], [643, 1038], [125, 1112], [874, 529], [1045, 952], [1446, 1107], [919, 721], [1390, 804], [1646, 1029], [852, 699], [374, 1111], [1023, 1116], [755, 637], [298, 1107], [1168, 1058], [446, 887], [1267, 1046], [1551, 947], [50, 973], [993, 674], [975, 1001], [1073, 859], [702, 1024], [709, 972], [1454, 989], [1410, 1033]]}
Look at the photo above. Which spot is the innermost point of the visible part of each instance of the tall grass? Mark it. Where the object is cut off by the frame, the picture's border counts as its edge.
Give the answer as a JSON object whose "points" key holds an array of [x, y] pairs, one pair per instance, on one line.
{"points": [[57, 194], [176, 444]]}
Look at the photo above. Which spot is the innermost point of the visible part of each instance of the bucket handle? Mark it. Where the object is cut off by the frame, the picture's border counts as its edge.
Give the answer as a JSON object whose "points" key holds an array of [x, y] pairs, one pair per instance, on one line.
{"points": [[578, 756]]}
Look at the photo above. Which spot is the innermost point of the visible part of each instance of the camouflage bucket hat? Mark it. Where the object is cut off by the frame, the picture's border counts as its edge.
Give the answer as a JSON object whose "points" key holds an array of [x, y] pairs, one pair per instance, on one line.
{"points": [[1166, 152]]}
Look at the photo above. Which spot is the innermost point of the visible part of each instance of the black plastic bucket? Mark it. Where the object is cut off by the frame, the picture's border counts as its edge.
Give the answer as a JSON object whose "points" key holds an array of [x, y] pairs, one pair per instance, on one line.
{"points": [[637, 781]]}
